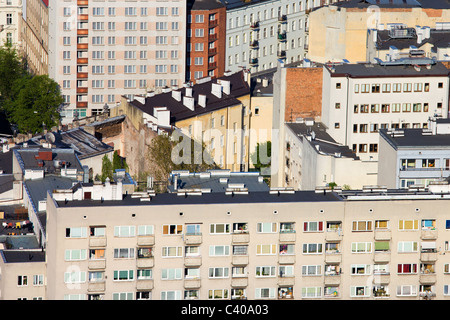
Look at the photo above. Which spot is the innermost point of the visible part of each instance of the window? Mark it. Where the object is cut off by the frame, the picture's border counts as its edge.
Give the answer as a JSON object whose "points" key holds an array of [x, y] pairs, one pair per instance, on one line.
{"points": [[266, 227], [218, 294], [361, 247], [74, 277], [220, 228], [406, 268], [191, 273], [265, 293], [362, 226], [192, 251], [124, 231], [38, 280], [172, 229], [311, 270], [287, 249], [376, 88], [75, 254], [360, 269], [313, 226], [145, 230], [312, 248], [97, 231], [172, 252], [381, 246], [76, 232], [408, 224], [96, 254], [428, 224], [360, 291], [124, 253], [221, 272], [22, 281], [311, 292], [286, 271], [171, 295], [218, 250], [266, 249], [240, 250], [171, 274]]}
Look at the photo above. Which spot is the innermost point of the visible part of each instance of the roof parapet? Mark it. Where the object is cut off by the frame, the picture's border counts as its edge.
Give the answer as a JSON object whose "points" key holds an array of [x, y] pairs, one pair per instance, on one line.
{"points": [[282, 190]]}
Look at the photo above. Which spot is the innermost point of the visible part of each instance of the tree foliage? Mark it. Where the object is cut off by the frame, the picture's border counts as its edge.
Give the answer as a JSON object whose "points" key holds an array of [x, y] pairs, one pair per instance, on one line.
{"points": [[261, 157], [107, 169], [161, 151], [30, 102]]}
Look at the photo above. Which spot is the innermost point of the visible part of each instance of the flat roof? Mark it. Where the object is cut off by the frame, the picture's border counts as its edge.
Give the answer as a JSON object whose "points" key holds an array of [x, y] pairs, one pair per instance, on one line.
{"points": [[205, 4], [207, 198], [415, 138], [402, 68], [438, 38], [383, 3], [27, 158], [21, 256]]}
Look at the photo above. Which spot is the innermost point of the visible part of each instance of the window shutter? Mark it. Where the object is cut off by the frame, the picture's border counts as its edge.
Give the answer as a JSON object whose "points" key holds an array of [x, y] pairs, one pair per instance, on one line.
{"points": [[305, 226], [165, 229], [320, 225]]}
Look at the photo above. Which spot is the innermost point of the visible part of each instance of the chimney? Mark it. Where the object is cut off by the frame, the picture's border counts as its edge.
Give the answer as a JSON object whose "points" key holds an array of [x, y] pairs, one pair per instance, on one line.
{"points": [[216, 89], [226, 86], [188, 102], [188, 91], [202, 100], [176, 95], [265, 82], [140, 99]]}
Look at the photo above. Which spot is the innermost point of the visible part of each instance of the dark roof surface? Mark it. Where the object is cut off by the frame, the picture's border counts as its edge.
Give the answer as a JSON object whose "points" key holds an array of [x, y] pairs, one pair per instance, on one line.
{"points": [[368, 70], [383, 3], [438, 38], [322, 139], [239, 87], [232, 4], [207, 198], [18, 256], [205, 4], [27, 158], [416, 138]]}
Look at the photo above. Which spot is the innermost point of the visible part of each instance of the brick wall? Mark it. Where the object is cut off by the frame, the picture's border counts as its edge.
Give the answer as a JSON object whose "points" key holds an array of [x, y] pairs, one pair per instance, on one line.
{"points": [[303, 93]]}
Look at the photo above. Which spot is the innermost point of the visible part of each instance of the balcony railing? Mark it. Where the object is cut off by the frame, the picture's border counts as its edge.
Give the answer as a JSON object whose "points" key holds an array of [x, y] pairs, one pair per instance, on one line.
{"points": [[254, 25], [254, 61], [254, 44], [281, 54], [282, 18], [281, 37]]}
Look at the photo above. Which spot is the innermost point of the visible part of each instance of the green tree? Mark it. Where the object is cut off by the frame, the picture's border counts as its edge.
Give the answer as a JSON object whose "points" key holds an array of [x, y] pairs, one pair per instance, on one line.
{"points": [[12, 69], [119, 162], [107, 169], [35, 104], [261, 157]]}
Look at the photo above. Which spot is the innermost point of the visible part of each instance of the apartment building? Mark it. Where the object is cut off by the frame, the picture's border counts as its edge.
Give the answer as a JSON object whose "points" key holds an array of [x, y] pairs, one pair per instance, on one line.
{"points": [[277, 244], [339, 31], [359, 99], [215, 112], [101, 50], [312, 158], [259, 33], [11, 23], [35, 35], [206, 30], [414, 156]]}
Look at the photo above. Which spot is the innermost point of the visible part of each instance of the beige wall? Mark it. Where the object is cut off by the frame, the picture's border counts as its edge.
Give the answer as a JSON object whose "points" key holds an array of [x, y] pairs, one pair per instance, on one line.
{"points": [[342, 34], [298, 212]]}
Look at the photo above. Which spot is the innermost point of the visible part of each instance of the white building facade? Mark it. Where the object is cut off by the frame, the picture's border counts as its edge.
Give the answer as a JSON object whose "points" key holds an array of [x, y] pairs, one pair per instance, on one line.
{"points": [[100, 50], [360, 99]]}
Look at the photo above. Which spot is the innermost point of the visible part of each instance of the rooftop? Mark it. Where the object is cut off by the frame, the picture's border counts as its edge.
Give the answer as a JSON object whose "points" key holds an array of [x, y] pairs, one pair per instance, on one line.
{"points": [[20, 256], [205, 4], [233, 4], [415, 138], [399, 68], [181, 108], [47, 159], [438, 38], [83, 143], [315, 133], [364, 4], [217, 181]]}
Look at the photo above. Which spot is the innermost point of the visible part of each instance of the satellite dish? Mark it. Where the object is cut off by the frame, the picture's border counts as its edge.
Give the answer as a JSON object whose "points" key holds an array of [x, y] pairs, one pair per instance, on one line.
{"points": [[50, 137]]}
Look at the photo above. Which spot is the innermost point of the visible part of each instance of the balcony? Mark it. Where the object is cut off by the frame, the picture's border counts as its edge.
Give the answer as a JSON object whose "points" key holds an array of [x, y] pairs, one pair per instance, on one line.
{"points": [[381, 278], [83, 17], [282, 19], [82, 104], [213, 23], [306, 47], [240, 237], [212, 65], [286, 281], [287, 236], [213, 37], [254, 25], [333, 257], [82, 32], [332, 280], [82, 3], [82, 46], [97, 242], [428, 256], [427, 278], [239, 260], [239, 282], [282, 37], [382, 234], [82, 90], [254, 44], [333, 235], [96, 264], [82, 75], [212, 51], [193, 261], [144, 284], [146, 240], [145, 262], [192, 283], [381, 256], [254, 62], [286, 259], [281, 54], [191, 239], [82, 60], [428, 234], [96, 286]]}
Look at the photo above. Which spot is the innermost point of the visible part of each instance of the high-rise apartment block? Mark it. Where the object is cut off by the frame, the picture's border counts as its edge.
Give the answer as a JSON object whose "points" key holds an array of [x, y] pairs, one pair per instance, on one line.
{"points": [[101, 50]]}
